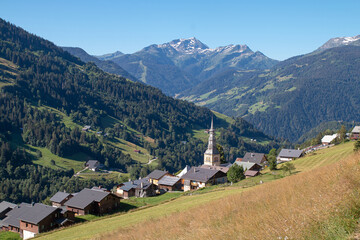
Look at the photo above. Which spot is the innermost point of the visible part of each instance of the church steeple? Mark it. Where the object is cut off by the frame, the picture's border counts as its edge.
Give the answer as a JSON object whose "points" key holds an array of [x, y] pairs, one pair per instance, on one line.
{"points": [[212, 155]]}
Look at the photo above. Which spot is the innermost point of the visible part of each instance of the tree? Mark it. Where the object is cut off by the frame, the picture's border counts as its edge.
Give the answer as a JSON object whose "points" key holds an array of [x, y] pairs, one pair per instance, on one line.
{"points": [[235, 173], [288, 167], [357, 145], [342, 133], [221, 151], [272, 159], [272, 162]]}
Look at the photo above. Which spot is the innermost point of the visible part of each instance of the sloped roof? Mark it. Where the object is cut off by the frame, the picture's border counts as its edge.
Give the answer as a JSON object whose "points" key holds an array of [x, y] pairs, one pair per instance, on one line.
{"points": [[356, 129], [37, 213], [92, 163], [59, 197], [290, 153], [329, 138], [133, 184], [200, 174], [185, 170], [86, 197], [251, 173], [225, 168], [169, 180], [12, 218], [157, 174], [253, 157], [245, 165], [4, 205]]}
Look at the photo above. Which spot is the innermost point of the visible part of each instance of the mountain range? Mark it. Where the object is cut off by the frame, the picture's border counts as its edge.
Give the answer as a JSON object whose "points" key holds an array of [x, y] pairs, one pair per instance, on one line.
{"points": [[183, 63], [294, 96]]}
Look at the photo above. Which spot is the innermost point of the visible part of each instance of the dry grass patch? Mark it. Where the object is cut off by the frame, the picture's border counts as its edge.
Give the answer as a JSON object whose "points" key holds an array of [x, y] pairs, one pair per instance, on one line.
{"points": [[319, 204]]}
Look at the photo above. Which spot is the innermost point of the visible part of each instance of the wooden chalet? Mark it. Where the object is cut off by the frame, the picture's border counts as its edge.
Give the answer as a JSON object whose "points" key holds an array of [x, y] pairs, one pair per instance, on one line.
{"points": [[198, 177], [156, 175], [134, 188], [286, 155], [170, 183], [6, 207], [31, 219], [258, 158], [60, 198], [91, 201], [355, 133]]}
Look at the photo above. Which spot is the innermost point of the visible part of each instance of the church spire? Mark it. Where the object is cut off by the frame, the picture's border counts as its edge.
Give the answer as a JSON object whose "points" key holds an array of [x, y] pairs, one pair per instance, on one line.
{"points": [[212, 155]]}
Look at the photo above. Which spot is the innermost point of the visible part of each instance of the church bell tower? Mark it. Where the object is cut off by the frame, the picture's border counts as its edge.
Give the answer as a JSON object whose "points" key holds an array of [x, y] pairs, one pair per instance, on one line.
{"points": [[212, 155]]}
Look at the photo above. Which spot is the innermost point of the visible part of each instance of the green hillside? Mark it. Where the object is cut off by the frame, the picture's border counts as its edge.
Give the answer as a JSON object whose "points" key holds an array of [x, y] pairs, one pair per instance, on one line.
{"points": [[48, 96], [200, 199]]}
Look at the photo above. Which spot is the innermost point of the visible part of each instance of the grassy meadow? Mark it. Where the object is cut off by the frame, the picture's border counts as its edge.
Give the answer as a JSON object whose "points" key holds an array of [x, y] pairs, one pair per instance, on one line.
{"points": [[320, 200]]}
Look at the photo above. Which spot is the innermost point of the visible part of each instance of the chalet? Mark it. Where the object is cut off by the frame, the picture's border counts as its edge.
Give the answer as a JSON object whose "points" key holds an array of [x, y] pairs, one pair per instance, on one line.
{"points": [[355, 133], [286, 155], [6, 207], [249, 165], [198, 177], [145, 189], [41, 218], [11, 222], [60, 198], [128, 189], [251, 173], [170, 183], [93, 165], [327, 139], [156, 175], [31, 219], [258, 158], [90, 201]]}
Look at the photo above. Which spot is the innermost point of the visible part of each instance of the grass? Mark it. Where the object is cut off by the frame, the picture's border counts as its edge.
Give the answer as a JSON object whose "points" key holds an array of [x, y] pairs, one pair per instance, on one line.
{"points": [[129, 148], [75, 161], [285, 207], [141, 202], [9, 236]]}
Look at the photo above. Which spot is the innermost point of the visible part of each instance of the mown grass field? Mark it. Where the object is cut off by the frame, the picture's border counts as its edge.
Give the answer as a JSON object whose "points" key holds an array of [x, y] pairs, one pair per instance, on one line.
{"points": [[185, 206], [9, 236]]}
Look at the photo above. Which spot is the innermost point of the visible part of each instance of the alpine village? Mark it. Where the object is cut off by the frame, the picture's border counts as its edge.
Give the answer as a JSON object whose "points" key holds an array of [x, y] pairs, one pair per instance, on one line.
{"points": [[126, 146]]}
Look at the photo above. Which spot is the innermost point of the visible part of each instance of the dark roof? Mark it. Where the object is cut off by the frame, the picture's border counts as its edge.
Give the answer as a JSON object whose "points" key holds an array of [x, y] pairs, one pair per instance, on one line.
{"points": [[12, 218], [4, 205], [133, 184], [145, 185], [291, 153], [86, 197], [93, 163], [200, 174], [253, 157], [157, 174], [59, 197], [37, 213], [169, 180]]}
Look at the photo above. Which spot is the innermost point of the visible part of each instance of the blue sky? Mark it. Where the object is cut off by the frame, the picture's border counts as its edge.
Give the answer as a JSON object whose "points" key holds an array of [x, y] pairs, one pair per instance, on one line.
{"points": [[279, 29]]}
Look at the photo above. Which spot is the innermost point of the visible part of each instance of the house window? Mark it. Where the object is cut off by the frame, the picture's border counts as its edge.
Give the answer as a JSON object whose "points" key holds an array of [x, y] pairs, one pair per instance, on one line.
{"points": [[26, 225], [42, 227]]}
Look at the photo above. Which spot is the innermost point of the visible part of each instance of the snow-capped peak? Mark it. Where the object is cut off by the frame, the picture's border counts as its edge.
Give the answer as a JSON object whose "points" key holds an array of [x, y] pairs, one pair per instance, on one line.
{"points": [[339, 41], [185, 45]]}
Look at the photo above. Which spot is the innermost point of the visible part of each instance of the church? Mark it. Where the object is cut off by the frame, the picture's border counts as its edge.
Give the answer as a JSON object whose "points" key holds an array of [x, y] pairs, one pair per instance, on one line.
{"points": [[211, 172]]}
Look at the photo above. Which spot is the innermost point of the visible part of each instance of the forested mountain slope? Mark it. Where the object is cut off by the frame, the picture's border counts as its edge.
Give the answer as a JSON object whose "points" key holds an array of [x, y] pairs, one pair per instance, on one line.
{"points": [[105, 65], [48, 94], [293, 97]]}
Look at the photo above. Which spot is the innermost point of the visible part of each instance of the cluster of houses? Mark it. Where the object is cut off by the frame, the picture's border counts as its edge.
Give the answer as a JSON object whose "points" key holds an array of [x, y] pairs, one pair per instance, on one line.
{"points": [[31, 219]]}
